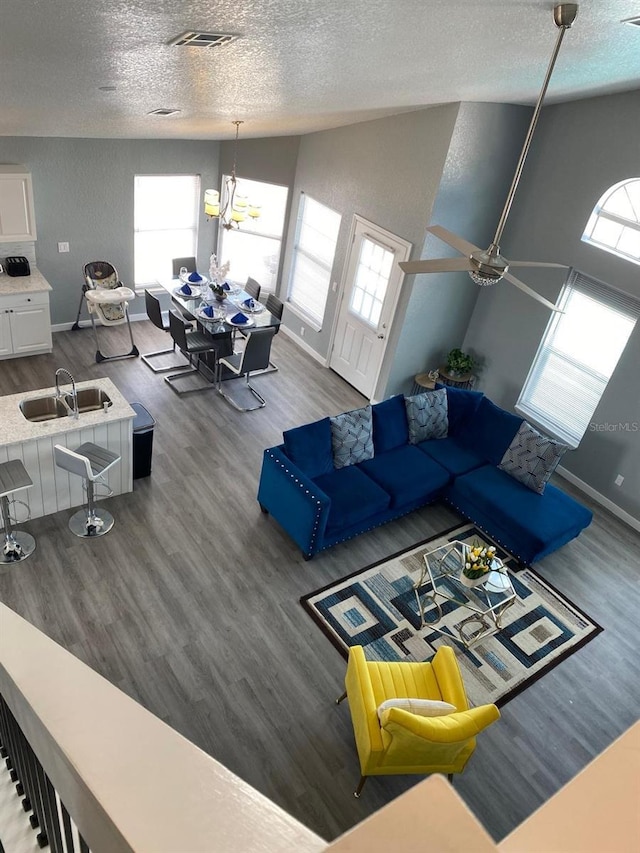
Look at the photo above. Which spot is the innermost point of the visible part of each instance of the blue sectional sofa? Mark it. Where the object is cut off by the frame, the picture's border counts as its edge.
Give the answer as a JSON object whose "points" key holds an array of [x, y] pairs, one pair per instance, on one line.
{"points": [[319, 504]]}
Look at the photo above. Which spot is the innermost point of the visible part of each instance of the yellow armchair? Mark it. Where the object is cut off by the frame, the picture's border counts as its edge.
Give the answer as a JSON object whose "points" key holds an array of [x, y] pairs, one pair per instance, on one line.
{"points": [[403, 742]]}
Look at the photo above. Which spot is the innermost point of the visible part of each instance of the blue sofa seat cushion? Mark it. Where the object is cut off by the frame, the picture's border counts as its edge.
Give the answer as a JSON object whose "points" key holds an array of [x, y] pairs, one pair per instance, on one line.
{"points": [[534, 520], [309, 447], [390, 429], [353, 495], [489, 431], [406, 474], [452, 455]]}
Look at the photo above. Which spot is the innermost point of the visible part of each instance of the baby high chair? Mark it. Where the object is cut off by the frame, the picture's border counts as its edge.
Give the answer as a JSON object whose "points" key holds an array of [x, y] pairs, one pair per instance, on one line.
{"points": [[107, 299]]}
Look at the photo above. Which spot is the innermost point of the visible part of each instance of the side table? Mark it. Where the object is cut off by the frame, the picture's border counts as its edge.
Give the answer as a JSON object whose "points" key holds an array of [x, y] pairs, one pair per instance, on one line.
{"points": [[464, 380], [422, 382]]}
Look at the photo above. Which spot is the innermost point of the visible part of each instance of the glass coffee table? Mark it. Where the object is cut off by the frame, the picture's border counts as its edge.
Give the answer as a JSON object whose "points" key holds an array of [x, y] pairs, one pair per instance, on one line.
{"points": [[440, 580]]}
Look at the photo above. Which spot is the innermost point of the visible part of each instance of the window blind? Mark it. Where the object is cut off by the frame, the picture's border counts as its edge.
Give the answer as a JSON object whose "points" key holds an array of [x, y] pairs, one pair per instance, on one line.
{"points": [[313, 254], [577, 356]]}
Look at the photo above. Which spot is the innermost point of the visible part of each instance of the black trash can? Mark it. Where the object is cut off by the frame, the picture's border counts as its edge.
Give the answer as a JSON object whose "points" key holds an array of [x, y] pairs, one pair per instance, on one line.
{"points": [[143, 425]]}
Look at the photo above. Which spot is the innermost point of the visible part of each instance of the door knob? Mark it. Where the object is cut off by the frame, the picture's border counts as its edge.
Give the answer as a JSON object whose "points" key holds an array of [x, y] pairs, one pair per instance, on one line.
{"points": [[380, 337]]}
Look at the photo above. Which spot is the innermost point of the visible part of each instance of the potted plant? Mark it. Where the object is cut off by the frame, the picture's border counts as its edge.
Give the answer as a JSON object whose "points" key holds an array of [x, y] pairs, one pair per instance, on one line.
{"points": [[477, 562], [459, 363]]}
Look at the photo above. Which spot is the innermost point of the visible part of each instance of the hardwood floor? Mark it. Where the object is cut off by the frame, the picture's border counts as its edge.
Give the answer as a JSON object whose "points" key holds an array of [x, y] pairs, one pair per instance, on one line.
{"points": [[190, 605]]}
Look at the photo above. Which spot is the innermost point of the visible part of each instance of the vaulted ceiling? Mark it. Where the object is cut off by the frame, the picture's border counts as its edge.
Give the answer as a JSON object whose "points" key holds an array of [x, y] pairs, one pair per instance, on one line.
{"points": [[297, 65]]}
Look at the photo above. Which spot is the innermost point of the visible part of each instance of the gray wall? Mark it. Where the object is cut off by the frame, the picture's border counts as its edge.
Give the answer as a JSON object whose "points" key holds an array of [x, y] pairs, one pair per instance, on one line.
{"points": [[388, 171], [580, 150], [83, 190], [480, 161]]}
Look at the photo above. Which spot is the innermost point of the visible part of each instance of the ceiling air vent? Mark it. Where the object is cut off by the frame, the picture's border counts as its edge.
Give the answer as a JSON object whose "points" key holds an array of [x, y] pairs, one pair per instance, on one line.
{"points": [[193, 39], [163, 111], [634, 22]]}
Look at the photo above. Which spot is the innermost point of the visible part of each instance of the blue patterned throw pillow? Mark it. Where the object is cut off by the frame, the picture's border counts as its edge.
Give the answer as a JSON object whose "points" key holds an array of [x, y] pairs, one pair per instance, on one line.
{"points": [[352, 437], [427, 416], [531, 458]]}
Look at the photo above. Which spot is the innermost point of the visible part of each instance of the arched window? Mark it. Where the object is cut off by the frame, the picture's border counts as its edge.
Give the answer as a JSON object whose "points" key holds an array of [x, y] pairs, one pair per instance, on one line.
{"points": [[614, 224]]}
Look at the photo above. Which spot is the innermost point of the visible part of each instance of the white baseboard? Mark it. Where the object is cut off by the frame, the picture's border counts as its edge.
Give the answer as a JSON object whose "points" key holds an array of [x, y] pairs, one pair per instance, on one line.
{"points": [[304, 346], [65, 327], [614, 509]]}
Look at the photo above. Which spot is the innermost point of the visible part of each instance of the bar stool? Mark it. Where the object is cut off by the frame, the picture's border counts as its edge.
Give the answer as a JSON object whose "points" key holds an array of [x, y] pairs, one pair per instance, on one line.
{"points": [[17, 544], [91, 462]]}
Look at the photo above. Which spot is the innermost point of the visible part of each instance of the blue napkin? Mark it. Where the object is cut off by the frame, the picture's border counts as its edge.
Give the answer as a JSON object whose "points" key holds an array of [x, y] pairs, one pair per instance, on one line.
{"points": [[195, 276], [239, 318], [208, 310], [226, 286], [249, 303], [185, 289]]}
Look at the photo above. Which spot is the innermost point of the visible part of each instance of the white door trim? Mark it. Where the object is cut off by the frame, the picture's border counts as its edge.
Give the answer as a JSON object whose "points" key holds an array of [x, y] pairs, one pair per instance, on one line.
{"points": [[378, 231]]}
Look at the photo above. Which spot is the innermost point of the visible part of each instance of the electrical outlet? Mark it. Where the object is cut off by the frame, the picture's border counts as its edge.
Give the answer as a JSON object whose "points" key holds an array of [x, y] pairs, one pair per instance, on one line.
{"points": [[619, 480], [334, 286], [63, 247], [302, 331]]}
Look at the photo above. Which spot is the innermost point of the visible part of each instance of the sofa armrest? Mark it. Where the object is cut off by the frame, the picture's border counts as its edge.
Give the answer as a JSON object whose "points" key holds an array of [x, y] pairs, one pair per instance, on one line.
{"points": [[447, 672], [449, 728], [363, 710], [293, 499]]}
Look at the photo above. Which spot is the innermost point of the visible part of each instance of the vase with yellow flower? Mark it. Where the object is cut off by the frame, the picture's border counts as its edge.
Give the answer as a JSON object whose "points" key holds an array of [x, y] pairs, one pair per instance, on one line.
{"points": [[477, 562]]}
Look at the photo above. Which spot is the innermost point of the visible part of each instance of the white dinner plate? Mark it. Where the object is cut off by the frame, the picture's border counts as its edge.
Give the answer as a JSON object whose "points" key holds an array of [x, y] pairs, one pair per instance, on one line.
{"points": [[202, 316], [257, 309], [195, 292], [240, 325]]}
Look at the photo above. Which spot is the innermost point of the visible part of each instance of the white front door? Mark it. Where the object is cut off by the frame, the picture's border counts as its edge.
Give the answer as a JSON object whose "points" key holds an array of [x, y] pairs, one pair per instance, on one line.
{"points": [[370, 289]]}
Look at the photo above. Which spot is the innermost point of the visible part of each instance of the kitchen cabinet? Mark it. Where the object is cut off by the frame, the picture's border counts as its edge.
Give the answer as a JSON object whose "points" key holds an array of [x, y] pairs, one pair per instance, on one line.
{"points": [[17, 219], [25, 324]]}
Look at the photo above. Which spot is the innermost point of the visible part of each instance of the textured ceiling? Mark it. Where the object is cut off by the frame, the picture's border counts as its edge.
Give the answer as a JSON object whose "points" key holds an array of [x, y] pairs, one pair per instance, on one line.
{"points": [[298, 66]]}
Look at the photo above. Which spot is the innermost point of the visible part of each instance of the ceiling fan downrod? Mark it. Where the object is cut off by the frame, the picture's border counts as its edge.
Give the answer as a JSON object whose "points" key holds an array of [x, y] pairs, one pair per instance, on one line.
{"points": [[563, 15]]}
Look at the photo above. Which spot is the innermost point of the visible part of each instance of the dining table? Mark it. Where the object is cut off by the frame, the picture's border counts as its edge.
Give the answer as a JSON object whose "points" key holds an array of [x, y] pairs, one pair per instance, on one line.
{"points": [[222, 325]]}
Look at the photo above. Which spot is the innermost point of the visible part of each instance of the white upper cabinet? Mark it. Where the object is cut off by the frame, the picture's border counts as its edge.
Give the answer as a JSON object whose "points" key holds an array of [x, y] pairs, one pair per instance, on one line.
{"points": [[17, 220]]}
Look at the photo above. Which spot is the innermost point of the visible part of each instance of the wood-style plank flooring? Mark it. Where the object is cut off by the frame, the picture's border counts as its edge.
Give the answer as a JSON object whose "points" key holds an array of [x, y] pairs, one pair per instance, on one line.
{"points": [[191, 605]]}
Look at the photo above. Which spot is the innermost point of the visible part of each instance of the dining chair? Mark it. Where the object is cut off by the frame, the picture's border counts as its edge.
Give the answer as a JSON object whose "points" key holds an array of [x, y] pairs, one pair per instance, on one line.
{"points": [[192, 343], [176, 263], [253, 288], [254, 357], [275, 307], [160, 320]]}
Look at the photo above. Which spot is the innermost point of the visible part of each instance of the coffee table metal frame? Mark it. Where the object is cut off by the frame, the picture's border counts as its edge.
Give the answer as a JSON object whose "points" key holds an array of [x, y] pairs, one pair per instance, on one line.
{"points": [[443, 566]]}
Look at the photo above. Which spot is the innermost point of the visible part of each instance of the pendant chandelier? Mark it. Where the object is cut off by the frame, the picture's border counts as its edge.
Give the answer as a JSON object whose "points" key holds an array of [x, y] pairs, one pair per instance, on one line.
{"points": [[236, 206]]}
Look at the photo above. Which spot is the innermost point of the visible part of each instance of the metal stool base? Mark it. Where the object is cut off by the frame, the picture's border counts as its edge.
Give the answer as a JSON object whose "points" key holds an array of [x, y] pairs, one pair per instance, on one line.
{"points": [[79, 523], [21, 545]]}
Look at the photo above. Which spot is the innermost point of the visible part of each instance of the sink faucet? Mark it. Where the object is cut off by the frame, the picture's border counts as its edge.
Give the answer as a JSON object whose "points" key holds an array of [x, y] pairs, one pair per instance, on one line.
{"points": [[75, 413]]}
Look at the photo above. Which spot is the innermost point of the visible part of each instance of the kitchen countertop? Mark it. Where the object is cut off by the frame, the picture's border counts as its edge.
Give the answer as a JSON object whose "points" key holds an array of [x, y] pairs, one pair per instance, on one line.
{"points": [[34, 283], [15, 428]]}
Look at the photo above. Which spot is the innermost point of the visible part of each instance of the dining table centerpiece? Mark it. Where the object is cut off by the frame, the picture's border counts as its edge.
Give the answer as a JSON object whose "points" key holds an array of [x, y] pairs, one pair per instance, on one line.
{"points": [[217, 275], [477, 562]]}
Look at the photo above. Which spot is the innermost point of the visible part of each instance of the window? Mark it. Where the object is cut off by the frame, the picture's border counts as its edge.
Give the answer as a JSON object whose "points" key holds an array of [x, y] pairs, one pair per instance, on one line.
{"points": [[614, 224], [577, 356], [371, 281], [165, 223], [254, 249], [316, 237]]}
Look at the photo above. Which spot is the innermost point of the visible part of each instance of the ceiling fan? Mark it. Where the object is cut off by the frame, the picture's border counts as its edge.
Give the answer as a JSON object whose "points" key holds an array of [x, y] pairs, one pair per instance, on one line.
{"points": [[488, 266]]}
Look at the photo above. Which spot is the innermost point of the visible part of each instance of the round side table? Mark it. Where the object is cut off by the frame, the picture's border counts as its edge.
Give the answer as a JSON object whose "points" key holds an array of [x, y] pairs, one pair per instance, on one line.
{"points": [[463, 380], [422, 382]]}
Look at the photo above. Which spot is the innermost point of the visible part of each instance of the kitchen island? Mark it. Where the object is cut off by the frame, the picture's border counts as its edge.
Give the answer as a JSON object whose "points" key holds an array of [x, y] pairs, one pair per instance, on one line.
{"points": [[33, 441]]}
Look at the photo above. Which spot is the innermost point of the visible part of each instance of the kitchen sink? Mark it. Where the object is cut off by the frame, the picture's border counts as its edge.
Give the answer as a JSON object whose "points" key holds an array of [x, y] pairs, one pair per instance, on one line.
{"points": [[89, 400], [49, 408], [43, 409]]}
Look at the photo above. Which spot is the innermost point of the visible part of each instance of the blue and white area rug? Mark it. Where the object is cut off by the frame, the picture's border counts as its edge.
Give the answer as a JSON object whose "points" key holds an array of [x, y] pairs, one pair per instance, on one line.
{"points": [[376, 607]]}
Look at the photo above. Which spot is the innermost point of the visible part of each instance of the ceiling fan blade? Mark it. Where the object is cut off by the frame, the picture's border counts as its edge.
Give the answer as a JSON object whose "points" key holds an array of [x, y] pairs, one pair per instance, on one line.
{"points": [[536, 264], [459, 243], [435, 265], [526, 289]]}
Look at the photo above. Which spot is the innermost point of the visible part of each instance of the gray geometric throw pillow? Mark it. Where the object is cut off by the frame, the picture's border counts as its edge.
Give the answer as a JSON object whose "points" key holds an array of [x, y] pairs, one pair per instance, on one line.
{"points": [[532, 457], [427, 415], [352, 437]]}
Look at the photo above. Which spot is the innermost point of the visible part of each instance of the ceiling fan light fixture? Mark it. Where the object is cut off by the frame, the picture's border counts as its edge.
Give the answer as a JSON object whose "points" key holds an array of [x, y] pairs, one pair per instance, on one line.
{"points": [[483, 279]]}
